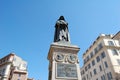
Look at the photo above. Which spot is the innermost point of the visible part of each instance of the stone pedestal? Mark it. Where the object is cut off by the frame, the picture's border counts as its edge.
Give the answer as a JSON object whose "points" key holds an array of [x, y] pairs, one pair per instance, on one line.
{"points": [[63, 61]]}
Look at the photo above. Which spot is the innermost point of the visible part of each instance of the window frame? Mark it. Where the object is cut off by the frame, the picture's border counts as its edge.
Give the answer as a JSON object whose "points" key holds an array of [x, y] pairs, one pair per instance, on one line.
{"points": [[103, 55], [95, 71], [114, 51], [106, 64], [98, 59], [110, 43], [93, 62]]}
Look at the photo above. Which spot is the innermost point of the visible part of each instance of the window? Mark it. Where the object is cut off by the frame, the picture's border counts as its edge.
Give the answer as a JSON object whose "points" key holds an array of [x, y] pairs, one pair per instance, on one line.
{"points": [[87, 76], [95, 50], [114, 51], [100, 67], [98, 58], [106, 65], [3, 60], [119, 50], [119, 41], [118, 60], [84, 61], [110, 43], [0, 72], [3, 71], [103, 77], [14, 59], [89, 66], [87, 58], [19, 75], [91, 54], [95, 72], [109, 75], [83, 72], [103, 54], [84, 78], [86, 68], [93, 62], [91, 74], [100, 46]]}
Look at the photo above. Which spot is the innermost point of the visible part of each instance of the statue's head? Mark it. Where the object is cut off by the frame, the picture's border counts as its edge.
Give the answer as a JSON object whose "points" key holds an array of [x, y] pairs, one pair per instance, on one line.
{"points": [[61, 21], [61, 18]]}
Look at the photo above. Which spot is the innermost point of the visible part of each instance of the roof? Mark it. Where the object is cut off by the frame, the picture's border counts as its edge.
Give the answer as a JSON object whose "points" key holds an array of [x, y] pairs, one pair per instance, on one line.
{"points": [[117, 35]]}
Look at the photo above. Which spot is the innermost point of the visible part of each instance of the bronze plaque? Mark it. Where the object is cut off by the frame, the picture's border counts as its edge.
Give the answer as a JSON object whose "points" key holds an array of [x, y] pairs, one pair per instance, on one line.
{"points": [[66, 70]]}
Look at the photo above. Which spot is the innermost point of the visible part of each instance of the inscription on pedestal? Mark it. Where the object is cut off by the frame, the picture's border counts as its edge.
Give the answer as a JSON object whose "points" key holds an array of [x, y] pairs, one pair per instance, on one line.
{"points": [[66, 70]]}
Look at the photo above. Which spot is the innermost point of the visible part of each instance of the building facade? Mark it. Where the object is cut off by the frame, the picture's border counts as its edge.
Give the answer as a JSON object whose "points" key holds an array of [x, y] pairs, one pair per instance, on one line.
{"points": [[13, 67], [102, 59]]}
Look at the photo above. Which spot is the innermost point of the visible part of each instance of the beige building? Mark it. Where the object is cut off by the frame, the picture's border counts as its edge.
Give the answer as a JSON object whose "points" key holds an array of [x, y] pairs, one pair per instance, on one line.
{"points": [[102, 59], [13, 67]]}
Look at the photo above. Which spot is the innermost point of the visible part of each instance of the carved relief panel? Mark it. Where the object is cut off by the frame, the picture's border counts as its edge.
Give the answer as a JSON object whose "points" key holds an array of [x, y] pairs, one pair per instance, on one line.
{"points": [[63, 57]]}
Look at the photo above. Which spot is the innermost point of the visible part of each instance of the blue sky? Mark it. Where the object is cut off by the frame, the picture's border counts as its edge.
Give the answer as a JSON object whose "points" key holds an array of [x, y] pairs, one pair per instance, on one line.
{"points": [[27, 27]]}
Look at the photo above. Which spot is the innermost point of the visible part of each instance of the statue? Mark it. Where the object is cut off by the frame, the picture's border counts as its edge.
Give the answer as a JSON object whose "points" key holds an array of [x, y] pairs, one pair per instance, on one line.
{"points": [[61, 30]]}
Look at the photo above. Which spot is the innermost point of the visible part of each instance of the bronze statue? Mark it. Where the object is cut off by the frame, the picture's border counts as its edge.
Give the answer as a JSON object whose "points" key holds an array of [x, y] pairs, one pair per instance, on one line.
{"points": [[61, 30]]}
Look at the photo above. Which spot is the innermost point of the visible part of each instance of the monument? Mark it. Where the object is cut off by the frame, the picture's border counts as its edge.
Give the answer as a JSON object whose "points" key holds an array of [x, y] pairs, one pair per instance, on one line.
{"points": [[62, 55]]}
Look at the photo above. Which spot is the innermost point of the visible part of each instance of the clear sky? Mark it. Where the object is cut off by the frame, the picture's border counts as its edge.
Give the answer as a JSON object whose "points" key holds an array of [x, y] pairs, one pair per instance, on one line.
{"points": [[27, 27]]}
